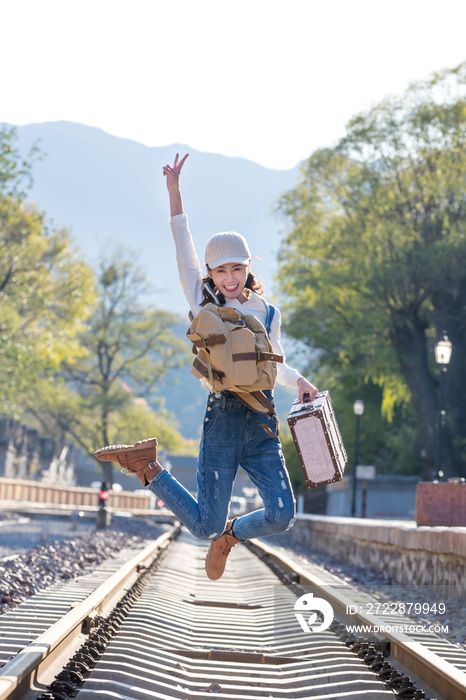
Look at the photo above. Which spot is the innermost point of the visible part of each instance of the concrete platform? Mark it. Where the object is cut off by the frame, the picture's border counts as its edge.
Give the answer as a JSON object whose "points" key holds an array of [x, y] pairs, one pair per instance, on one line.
{"points": [[409, 554]]}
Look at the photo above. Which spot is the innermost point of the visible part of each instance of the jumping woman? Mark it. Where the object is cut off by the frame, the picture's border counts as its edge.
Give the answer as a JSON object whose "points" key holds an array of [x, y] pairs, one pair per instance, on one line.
{"points": [[232, 435]]}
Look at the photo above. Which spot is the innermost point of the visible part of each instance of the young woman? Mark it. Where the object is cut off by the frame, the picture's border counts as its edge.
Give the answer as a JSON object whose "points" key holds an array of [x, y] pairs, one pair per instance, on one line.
{"points": [[232, 433]]}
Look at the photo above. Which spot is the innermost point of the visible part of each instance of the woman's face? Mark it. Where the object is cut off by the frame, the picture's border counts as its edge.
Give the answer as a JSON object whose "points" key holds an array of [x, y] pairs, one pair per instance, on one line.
{"points": [[230, 279]]}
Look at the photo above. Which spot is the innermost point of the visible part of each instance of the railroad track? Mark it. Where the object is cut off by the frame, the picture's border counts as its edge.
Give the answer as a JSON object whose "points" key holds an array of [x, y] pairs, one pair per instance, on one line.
{"points": [[154, 626]]}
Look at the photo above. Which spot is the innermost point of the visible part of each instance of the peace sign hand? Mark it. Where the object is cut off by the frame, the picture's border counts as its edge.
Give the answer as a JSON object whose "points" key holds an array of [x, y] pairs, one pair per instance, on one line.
{"points": [[172, 173]]}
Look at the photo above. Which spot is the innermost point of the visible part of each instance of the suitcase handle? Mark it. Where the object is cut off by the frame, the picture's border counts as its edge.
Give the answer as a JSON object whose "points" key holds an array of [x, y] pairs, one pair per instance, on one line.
{"points": [[306, 397]]}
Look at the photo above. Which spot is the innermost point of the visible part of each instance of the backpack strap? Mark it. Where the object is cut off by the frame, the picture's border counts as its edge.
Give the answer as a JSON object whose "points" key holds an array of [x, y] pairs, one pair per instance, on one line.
{"points": [[259, 356], [260, 396], [269, 317], [202, 369], [263, 400], [269, 431], [209, 341]]}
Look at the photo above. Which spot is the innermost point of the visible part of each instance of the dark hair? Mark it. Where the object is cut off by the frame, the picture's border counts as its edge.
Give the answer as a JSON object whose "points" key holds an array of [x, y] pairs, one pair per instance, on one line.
{"points": [[210, 290]]}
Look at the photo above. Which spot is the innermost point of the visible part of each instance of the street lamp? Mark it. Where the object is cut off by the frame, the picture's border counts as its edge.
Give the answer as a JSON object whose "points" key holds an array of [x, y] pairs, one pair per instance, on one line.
{"points": [[358, 408], [442, 357]]}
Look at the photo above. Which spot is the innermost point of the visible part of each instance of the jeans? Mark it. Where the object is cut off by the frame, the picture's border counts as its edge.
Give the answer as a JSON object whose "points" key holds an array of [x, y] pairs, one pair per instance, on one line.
{"points": [[232, 437]]}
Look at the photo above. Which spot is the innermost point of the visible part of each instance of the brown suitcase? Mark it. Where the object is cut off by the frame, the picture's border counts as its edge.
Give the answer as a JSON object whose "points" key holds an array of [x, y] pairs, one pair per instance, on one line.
{"points": [[317, 440], [441, 503]]}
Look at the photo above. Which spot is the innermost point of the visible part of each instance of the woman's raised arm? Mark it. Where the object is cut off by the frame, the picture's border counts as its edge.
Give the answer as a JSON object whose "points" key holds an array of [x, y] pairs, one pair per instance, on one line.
{"points": [[172, 174]]}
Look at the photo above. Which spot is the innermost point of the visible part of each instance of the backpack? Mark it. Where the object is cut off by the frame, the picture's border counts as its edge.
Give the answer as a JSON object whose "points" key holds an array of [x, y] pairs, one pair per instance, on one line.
{"points": [[234, 353]]}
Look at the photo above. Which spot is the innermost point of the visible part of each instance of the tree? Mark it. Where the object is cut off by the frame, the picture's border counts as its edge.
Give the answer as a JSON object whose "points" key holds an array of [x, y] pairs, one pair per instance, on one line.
{"points": [[46, 290], [130, 349], [374, 266], [75, 359], [15, 171]]}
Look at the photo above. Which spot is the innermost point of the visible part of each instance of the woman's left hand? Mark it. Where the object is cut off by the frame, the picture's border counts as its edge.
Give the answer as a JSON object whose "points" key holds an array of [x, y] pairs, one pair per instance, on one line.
{"points": [[305, 386]]}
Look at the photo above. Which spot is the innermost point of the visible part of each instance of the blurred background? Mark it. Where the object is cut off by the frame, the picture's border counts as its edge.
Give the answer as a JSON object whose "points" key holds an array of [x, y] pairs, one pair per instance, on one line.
{"points": [[331, 135]]}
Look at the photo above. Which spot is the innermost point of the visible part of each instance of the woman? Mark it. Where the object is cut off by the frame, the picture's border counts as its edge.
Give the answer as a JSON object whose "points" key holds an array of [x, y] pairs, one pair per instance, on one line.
{"points": [[232, 433]]}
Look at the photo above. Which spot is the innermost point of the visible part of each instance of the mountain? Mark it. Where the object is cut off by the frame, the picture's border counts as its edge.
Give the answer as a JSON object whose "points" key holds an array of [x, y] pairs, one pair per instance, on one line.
{"points": [[110, 190]]}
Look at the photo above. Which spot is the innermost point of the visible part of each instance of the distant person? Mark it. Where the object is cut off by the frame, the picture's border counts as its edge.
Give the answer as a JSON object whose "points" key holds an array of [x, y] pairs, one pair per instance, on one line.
{"points": [[232, 433]]}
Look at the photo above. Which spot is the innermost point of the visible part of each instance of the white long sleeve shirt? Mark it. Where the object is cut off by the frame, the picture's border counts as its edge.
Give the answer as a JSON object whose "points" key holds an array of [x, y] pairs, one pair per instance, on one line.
{"points": [[191, 277]]}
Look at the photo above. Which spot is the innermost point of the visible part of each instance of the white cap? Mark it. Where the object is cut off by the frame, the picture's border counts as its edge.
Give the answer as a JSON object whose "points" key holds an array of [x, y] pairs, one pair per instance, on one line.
{"points": [[226, 247]]}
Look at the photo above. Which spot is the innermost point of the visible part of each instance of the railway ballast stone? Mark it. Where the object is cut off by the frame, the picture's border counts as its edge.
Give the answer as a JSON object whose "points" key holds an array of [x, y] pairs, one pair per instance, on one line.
{"points": [[26, 574]]}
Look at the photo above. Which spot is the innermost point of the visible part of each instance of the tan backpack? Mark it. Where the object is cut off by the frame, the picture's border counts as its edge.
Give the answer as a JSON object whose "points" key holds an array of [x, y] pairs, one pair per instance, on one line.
{"points": [[234, 353]]}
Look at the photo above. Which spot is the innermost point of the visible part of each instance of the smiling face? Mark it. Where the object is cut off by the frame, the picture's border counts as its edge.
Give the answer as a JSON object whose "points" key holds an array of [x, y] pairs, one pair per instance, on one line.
{"points": [[230, 279]]}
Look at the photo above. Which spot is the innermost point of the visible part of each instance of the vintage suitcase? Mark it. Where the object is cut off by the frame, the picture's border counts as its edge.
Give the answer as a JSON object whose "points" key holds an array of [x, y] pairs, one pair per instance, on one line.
{"points": [[441, 503], [318, 440]]}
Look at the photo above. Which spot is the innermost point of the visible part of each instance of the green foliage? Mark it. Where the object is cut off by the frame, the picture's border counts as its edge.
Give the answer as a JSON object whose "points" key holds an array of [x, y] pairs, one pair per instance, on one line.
{"points": [[389, 446], [130, 348], [46, 294], [377, 249], [58, 410], [77, 356], [122, 353], [138, 420], [46, 290], [126, 341], [15, 172]]}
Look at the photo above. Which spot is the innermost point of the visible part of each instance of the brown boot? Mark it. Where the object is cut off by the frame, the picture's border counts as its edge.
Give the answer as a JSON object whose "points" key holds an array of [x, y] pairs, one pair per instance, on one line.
{"points": [[216, 559], [139, 459]]}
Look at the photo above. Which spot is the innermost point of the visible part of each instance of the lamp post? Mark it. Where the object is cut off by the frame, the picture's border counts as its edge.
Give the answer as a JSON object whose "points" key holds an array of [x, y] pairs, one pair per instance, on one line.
{"points": [[358, 408], [442, 357]]}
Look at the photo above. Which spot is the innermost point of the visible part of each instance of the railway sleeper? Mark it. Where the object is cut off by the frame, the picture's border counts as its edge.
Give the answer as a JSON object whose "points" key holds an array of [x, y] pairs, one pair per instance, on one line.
{"points": [[372, 652], [100, 630]]}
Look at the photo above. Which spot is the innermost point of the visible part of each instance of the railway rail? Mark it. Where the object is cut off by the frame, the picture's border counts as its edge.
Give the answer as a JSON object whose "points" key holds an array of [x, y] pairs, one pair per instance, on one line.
{"points": [[151, 625]]}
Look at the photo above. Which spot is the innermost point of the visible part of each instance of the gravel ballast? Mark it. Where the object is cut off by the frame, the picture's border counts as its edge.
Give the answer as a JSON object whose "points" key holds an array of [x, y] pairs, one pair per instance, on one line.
{"points": [[20, 533], [386, 590], [74, 553]]}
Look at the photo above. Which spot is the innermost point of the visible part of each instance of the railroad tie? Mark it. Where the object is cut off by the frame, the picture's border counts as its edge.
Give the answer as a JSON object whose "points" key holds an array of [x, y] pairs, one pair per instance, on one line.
{"points": [[186, 636]]}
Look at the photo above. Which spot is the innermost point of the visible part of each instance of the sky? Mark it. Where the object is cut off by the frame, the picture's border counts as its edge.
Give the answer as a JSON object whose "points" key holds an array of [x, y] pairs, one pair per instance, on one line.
{"points": [[266, 80]]}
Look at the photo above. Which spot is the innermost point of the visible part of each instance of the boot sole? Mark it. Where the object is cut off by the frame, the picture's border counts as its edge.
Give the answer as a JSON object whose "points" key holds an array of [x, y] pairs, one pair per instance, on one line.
{"points": [[209, 553], [207, 559], [206, 568], [118, 449]]}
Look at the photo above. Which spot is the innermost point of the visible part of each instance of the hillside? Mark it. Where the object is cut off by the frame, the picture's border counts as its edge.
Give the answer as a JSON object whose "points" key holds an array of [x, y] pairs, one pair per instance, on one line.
{"points": [[111, 191]]}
